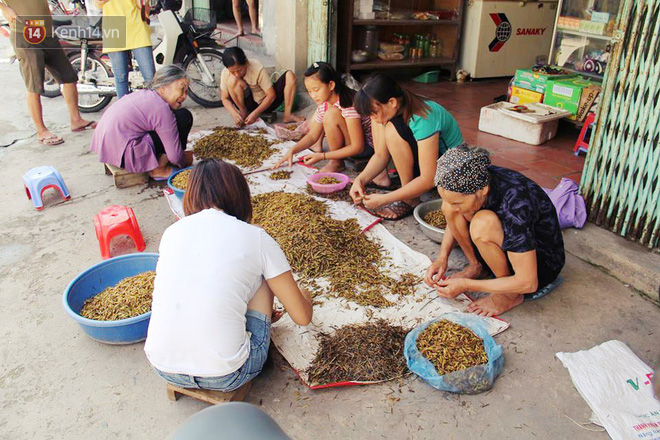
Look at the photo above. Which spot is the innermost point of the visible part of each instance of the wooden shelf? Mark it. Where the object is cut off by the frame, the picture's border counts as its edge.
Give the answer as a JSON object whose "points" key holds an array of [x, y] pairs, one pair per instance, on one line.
{"points": [[380, 64], [378, 22], [585, 34]]}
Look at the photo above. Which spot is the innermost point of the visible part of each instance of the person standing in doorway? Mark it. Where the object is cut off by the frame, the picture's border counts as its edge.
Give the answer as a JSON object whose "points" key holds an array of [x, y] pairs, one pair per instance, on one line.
{"points": [[138, 40], [34, 57], [236, 6]]}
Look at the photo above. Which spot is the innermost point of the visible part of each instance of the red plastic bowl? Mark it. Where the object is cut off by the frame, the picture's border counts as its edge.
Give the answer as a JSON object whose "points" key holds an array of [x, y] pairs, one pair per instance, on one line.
{"points": [[331, 188]]}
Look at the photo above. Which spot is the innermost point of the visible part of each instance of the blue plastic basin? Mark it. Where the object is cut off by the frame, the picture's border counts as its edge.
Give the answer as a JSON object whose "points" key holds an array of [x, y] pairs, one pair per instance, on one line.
{"points": [[93, 281], [177, 191]]}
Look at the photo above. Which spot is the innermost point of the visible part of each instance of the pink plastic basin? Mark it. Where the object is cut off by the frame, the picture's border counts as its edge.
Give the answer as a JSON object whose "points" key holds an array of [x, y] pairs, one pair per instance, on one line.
{"points": [[331, 188]]}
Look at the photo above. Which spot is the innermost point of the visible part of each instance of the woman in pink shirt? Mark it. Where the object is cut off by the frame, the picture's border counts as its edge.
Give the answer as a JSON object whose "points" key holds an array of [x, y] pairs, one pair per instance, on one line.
{"points": [[148, 130], [348, 133]]}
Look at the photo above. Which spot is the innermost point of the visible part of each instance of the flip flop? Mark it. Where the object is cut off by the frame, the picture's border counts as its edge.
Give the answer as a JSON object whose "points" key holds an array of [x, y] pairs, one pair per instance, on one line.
{"points": [[51, 140], [89, 126], [395, 183], [400, 208], [543, 291], [160, 179]]}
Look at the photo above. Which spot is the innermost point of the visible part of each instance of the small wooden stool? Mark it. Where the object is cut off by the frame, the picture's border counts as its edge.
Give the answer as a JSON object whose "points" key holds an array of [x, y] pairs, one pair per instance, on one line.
{"points": [[209, 396], [124, 179]]}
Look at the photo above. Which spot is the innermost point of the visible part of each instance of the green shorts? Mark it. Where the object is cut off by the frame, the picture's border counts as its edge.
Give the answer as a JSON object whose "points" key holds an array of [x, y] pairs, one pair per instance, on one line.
{"points": [[35, 58]]}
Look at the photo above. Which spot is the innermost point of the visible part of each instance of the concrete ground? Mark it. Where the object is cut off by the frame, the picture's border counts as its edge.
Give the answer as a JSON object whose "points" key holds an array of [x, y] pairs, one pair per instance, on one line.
{"points": [[57, 383]]}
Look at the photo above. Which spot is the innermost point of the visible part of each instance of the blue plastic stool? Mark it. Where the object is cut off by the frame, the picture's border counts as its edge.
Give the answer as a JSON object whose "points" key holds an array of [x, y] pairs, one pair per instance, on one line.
{"points": [[39, 179]]}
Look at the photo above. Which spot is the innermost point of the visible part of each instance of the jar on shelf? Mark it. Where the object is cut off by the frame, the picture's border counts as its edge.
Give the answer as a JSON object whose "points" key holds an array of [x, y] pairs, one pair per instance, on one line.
{"points": [[435, 49], [370, 44]]}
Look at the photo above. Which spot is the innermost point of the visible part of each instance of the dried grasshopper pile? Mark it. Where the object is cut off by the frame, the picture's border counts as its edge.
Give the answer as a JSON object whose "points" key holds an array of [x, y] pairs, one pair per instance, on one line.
{"points": [[318, 246], [243, 149], [435, 218], [130, 297], [342, 195], [292, 127], [327, 180], [451, 347], [368, 352], [181, 179], [280, 175]]}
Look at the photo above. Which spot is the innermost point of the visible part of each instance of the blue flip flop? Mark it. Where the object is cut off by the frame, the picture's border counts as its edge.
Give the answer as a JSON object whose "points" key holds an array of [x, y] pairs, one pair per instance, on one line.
{"points": [[544, 290], [161, 179]]}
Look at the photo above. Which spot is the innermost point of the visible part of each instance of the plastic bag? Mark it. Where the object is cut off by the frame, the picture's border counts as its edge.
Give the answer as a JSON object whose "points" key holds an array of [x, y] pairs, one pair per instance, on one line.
{"points": [[617, 386], [283, 131], [569, 204], [472, 380]]}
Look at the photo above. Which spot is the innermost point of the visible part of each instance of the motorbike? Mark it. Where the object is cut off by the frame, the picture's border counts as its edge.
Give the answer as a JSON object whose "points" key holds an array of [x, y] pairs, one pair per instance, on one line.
{"points": [[186, 41]]}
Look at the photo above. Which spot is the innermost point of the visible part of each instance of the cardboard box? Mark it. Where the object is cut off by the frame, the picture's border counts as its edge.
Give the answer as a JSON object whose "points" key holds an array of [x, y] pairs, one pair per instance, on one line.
{"points": [[570, 23], [601, 17], [593, 27], [530, 80], [522, 96], [576, 95]]}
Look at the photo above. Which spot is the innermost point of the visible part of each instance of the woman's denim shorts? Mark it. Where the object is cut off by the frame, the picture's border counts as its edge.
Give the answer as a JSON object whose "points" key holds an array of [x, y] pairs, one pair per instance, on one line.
{"points": [[258, 325]]}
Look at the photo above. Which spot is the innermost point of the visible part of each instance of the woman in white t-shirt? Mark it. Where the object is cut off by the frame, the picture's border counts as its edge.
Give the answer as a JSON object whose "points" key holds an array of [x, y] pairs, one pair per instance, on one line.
{"points": [[348, 133], [211, 311]]}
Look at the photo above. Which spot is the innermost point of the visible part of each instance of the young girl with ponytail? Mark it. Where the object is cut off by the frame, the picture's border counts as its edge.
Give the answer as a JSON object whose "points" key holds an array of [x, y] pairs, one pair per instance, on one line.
{"points": [[411, 131], [348, 134]]}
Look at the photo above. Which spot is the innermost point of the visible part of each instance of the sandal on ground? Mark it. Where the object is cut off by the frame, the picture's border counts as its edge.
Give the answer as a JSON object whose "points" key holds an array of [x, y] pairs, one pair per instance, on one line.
{"points": [[400, 209], [543, 291], [89, 126], [51, 140], [395, 183]]}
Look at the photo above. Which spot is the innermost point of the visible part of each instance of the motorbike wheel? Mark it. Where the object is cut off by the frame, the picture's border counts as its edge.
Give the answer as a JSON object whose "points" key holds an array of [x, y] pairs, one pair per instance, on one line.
{"points": [[96, 69], [51, 87], [201, 93]]}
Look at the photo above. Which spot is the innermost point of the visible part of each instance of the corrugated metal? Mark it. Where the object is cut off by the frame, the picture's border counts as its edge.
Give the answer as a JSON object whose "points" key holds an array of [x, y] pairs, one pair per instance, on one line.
{"points": [[621, 181]]}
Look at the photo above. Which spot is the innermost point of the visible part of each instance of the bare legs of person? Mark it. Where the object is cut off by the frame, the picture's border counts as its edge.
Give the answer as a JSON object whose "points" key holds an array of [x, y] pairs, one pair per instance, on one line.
{"points": [[485, 231], [163, 170], [336, 132], [236, 8], [236, 88], [44, 135], [289, 95], [402, 157], [252, 10], [460, 228]]}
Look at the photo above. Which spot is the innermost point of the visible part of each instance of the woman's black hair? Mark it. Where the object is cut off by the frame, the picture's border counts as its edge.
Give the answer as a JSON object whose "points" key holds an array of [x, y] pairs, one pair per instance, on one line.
{"points": [[234, 55], [382, 88], [326, 73]]}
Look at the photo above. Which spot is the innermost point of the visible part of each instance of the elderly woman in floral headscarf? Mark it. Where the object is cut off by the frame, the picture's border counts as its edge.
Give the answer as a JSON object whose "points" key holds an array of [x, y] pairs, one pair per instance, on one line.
{"points": [[507, 227]]}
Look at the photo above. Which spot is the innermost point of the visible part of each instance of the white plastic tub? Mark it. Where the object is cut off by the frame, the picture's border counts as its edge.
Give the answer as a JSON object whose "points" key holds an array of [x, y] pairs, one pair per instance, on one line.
{"points": [[536, 125]]}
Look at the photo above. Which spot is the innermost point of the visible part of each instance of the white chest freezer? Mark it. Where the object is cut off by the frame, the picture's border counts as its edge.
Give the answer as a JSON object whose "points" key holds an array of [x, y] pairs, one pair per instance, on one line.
{"points": [[502, 36]]}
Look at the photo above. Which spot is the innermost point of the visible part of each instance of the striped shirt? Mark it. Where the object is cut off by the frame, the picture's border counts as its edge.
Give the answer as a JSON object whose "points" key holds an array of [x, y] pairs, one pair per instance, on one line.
{"points": [[347, 113]]}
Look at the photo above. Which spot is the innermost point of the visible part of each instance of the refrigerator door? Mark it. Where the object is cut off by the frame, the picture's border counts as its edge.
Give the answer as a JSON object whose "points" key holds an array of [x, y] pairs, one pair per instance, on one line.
{"points": [[502, 36]]}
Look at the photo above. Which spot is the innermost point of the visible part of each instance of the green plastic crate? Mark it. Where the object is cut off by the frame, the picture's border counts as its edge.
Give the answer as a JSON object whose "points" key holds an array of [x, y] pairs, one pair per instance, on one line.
{"points": [[428, 77]]}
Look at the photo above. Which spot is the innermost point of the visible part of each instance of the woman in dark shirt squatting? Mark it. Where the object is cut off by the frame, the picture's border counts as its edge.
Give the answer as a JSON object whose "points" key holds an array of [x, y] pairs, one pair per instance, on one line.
{"points": [[507, 227]]}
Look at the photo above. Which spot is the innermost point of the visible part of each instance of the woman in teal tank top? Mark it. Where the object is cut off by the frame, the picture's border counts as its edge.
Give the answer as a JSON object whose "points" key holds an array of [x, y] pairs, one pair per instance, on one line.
{"points": [[411, 131]]}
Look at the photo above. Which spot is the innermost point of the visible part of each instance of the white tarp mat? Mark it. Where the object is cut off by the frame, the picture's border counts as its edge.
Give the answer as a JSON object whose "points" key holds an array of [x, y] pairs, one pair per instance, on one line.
{"points": [[299, 344], [617, 386]]}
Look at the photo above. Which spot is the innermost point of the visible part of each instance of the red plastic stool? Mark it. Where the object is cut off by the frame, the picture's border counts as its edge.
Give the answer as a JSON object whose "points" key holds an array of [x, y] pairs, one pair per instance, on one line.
{"points": [[581, 144], [113, 221]]}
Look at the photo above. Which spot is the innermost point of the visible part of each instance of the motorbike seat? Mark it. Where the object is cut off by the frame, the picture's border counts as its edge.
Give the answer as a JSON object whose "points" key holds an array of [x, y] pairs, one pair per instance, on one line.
{"points": [[59, 21], [74, 33]]}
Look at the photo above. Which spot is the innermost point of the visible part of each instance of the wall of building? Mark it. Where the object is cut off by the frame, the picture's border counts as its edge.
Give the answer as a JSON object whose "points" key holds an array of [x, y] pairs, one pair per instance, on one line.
{"points": [[291, 35]]}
